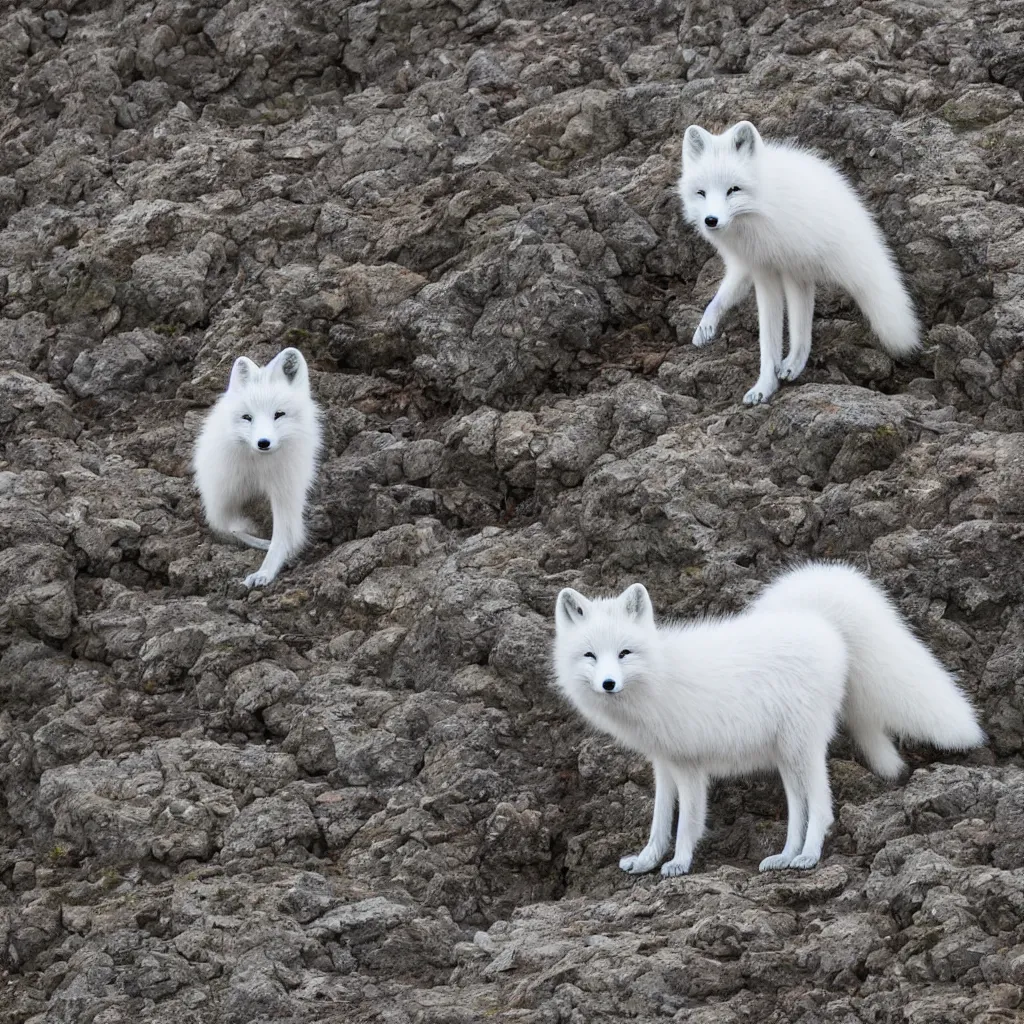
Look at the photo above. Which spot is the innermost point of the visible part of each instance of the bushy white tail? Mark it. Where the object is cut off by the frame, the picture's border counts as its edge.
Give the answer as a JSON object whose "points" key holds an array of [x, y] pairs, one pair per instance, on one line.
{"points": [[895, 685], [877, 287]]}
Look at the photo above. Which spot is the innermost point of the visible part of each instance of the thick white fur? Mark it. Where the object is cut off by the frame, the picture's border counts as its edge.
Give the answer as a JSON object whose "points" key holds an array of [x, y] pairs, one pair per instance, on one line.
{"points": [[785, 220], [272, 404], [765, 689]]}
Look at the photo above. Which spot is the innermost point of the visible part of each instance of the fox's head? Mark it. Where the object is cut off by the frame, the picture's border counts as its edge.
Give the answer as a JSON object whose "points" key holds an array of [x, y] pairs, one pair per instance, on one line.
{"points": [[268, 405], [719, 181], [605, 645]]}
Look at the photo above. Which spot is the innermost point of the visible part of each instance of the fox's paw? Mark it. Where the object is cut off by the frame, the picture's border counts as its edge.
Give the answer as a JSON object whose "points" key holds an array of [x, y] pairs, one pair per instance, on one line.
{"points": [[803, 861], [678, 866], [777, 863], [792, 368], [642, 862], [705, 333], [761, 392], [258, 579]]}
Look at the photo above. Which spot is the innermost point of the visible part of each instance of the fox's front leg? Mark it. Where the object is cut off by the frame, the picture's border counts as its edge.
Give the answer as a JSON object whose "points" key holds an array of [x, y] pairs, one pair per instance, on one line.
{"points": [[692, 787], [661, 825], [288, 537], [733, 289]]}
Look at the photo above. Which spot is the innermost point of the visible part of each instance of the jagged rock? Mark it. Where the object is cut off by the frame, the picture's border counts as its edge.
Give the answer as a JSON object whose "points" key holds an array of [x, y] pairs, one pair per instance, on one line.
{"points": [[354, 795]]}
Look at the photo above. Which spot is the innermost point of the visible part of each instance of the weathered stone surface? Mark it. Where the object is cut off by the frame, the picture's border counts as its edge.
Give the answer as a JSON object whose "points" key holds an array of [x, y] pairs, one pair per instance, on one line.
{"points": [[354, 796]]}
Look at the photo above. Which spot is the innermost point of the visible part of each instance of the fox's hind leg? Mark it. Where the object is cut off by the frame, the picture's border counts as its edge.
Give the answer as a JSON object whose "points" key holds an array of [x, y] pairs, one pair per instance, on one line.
{"points": [[661, 825], [809, 801], [224, 517], [733, 289], [242, 528], [800, 312], [770, 314], [819, 814]]}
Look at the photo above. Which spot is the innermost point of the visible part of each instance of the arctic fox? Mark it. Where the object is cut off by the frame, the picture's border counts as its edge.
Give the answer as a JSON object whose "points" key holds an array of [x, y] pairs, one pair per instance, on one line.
{"points": [[765, 689], [783, 220], [261, 440]]}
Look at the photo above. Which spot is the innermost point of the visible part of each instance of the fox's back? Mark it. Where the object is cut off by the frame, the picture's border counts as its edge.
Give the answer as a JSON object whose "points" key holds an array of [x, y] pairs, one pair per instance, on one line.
{"points": [[808, 219], [723, 692]]}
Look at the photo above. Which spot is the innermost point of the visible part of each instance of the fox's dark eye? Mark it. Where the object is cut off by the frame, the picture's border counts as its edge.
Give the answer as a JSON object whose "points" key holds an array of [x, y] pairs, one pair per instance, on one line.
{"points": [[591, 655], [623, 654], [701, 193], [278, 415], [246, 417], [730, 191]]}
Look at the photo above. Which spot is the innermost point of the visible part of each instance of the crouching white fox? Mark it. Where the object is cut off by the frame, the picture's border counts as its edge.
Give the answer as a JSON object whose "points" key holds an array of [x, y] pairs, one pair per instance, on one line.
{"points": [[261, 440]]}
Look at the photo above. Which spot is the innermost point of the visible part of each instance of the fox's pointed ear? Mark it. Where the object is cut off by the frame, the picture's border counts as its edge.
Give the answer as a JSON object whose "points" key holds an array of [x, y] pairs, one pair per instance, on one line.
{"points": [[696, 142], [745, 138], [637, 602], [291, 365], [242, 373], [571, 607]]}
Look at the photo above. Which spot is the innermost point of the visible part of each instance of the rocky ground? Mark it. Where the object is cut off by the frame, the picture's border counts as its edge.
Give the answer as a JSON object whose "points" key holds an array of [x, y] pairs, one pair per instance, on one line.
{"points": [[354, 797]]}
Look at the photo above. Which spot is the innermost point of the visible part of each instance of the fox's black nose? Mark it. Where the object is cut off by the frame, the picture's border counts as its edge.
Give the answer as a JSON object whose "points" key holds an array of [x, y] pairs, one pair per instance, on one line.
{"points": [[711, 221], [263, 444], [609, 685]]}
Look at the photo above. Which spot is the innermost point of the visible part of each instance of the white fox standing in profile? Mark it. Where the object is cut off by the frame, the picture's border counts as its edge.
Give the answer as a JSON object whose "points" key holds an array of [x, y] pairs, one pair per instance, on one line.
{"points": [[783, 220], [261, 440], [765, 689]]}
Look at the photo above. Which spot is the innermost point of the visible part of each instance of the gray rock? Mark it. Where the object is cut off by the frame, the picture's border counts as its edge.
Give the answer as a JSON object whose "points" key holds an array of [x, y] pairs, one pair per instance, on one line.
{"points": [[355, 795], [273, 822]]}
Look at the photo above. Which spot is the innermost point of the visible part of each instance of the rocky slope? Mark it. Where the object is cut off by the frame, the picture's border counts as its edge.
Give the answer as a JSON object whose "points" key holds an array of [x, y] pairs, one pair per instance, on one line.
{"points": [[354, 797]]}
